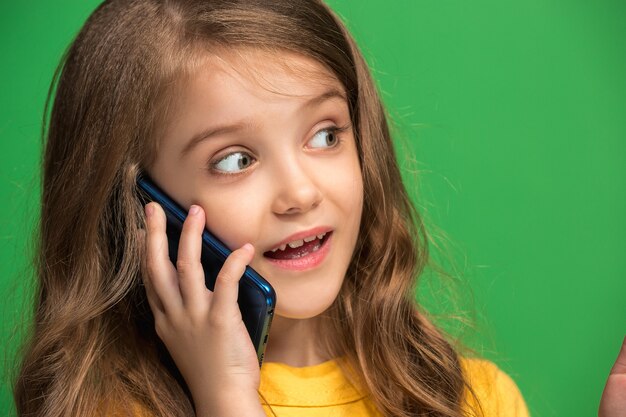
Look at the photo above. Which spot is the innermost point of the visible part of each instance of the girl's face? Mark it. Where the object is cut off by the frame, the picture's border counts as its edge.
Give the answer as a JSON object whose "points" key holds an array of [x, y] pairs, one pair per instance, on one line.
{"points": [[270, 155]]}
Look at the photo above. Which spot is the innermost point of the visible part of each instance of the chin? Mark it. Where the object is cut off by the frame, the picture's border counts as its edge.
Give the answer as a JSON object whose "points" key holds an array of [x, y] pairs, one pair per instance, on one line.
{"points": [[302, 309]]}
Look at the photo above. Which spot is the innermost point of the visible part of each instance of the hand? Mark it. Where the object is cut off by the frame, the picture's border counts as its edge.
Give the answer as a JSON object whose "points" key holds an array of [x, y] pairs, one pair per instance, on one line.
{"points": [[613, 402], [202, 330]]}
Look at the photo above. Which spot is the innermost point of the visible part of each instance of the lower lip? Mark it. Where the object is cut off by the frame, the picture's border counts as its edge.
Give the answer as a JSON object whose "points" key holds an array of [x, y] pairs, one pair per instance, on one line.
{"points": [[309, 261]]}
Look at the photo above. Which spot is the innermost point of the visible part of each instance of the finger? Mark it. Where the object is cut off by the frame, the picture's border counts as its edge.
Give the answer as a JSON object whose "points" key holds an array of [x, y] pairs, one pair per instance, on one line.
{"points": [[161, 274], [620, 363], [153, 300], [155, 304], [226, 288], [190, 272]]}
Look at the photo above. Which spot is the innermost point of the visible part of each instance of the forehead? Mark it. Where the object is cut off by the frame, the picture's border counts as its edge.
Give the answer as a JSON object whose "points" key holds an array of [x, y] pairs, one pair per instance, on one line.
{"points": [[267, 75], [245, 87]]}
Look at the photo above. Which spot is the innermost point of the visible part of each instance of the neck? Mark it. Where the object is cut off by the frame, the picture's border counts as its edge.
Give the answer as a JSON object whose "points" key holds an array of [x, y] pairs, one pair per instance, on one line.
{"points": [[294, 342]]}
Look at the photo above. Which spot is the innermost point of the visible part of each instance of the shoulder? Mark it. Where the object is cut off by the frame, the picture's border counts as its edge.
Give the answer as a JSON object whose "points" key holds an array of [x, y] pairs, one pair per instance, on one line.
{"points": [[494, 391]]}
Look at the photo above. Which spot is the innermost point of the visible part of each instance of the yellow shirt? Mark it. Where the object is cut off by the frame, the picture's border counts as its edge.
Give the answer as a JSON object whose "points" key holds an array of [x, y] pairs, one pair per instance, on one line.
{"points": [[323, 390]]}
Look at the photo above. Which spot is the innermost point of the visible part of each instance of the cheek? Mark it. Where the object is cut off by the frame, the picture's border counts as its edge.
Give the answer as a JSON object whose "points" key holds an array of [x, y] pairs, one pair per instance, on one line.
{"points": [[345, 184], [352, 204], [231, 215]]}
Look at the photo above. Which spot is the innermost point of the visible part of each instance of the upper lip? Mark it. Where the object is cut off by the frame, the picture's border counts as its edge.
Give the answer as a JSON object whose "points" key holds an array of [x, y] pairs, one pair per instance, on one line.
{"points": [[301, 235]]}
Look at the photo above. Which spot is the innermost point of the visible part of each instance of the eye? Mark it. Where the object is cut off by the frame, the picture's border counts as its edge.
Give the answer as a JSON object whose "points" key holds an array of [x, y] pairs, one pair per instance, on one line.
{"points": [[234, 162], [326, 138]]}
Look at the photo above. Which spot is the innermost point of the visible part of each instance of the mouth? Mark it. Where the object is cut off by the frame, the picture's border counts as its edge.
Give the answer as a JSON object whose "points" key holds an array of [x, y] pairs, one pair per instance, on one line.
{"points": [[299, 248]]}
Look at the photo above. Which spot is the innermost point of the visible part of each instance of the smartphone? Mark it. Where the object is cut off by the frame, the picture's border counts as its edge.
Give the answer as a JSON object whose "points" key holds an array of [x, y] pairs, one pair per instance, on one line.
{"points": [[256, 299]]}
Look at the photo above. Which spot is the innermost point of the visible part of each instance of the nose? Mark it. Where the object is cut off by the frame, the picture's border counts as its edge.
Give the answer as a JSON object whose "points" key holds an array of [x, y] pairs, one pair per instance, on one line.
{"points": [[296, 189]]}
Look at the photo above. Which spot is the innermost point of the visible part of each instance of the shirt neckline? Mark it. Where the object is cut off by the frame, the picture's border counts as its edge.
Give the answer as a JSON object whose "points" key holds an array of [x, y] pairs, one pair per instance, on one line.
{"points": [[318, 385]]}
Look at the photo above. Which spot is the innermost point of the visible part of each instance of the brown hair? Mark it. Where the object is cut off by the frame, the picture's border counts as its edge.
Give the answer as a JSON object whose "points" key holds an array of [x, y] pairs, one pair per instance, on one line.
{"points": [[93, 337]]}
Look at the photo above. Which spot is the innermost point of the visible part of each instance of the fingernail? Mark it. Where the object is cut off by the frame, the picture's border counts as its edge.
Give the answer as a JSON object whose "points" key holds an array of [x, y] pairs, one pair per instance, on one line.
{"points": [[248, 247], [193, 210], [149, 210]]}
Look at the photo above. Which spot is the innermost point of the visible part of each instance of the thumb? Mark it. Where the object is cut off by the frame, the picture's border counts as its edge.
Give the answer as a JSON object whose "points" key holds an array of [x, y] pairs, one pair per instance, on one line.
{"points": [[613, 401], [620, 363]]}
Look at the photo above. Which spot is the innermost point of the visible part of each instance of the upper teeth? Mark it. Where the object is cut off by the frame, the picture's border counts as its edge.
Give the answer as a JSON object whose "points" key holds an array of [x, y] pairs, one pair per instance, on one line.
{"points": [[298, 243], [295, 244]]}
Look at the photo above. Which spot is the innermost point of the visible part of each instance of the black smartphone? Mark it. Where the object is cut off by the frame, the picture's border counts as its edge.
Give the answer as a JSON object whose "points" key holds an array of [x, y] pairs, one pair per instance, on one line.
{"points": [[257, 298]]}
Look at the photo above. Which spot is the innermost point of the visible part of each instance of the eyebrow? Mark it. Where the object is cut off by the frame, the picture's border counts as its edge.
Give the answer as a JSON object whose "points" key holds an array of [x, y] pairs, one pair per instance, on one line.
{"points": [[247, 124]]}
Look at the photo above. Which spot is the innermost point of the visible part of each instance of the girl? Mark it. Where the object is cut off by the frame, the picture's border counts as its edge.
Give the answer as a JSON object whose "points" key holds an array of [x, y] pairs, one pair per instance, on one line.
{"points": [[261, 118]]}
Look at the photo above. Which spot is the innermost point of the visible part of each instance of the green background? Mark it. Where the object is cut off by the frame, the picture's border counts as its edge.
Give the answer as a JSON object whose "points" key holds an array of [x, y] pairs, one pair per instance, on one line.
{"points": [[512, 136]]}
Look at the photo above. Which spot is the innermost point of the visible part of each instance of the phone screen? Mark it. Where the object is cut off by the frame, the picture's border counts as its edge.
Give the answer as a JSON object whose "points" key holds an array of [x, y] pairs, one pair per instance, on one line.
{"points": [[257, 298]]}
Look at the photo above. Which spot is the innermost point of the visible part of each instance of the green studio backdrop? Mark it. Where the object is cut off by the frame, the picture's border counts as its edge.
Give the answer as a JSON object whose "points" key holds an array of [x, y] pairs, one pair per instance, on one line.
{"points": [[510, 121]]}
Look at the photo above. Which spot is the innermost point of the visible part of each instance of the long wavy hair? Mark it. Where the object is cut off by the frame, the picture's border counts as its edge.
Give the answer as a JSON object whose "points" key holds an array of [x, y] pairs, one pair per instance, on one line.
{"points": [[93, 346]]}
